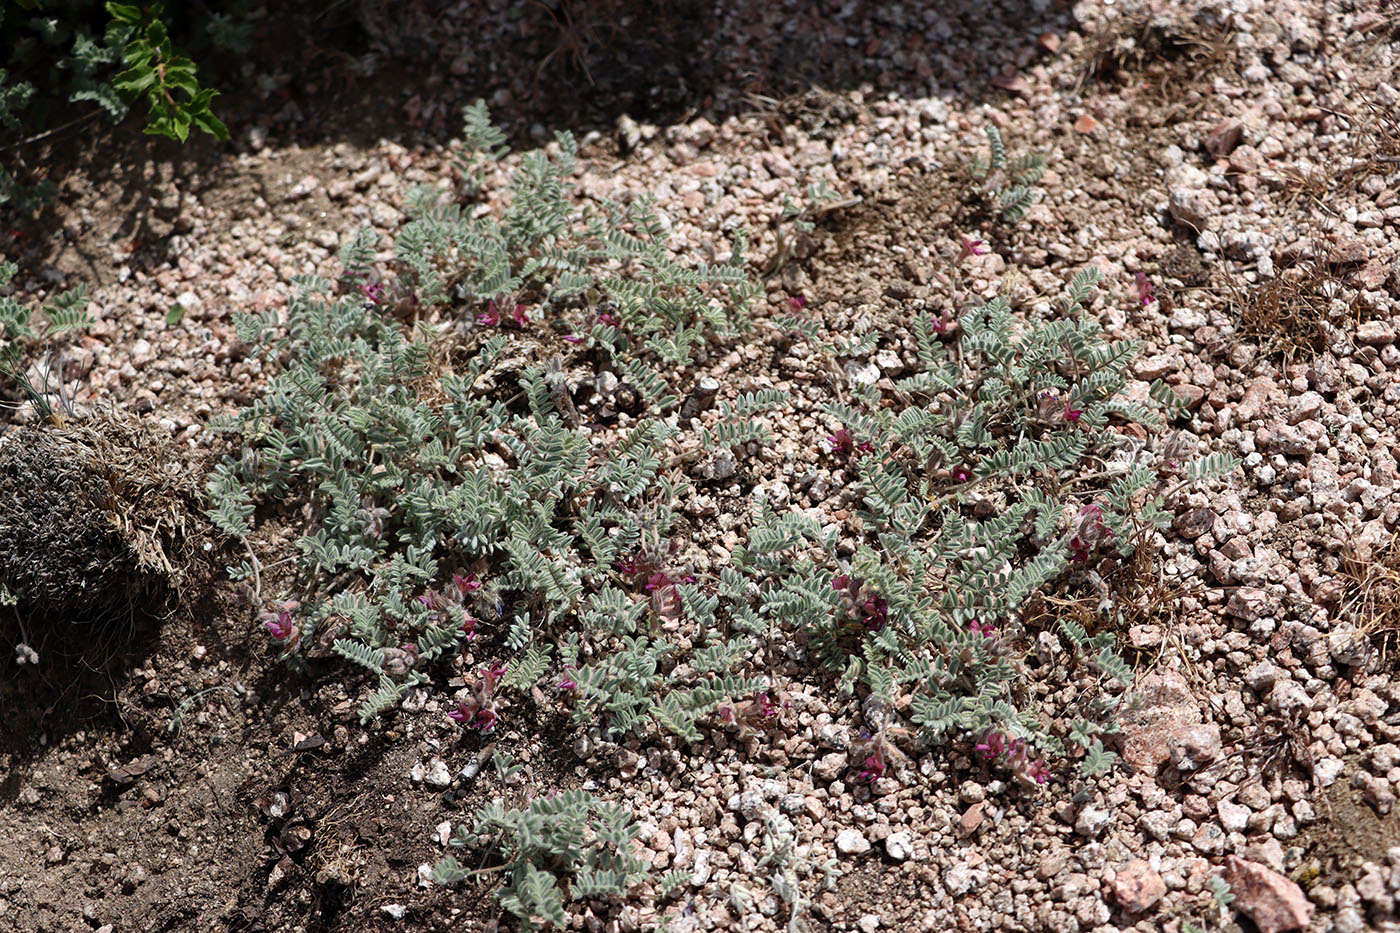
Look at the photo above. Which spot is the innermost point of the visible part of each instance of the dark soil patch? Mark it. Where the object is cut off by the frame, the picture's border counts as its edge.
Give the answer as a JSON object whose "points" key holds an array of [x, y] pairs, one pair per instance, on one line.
{"points": [[178, 795], [1348, 833]]}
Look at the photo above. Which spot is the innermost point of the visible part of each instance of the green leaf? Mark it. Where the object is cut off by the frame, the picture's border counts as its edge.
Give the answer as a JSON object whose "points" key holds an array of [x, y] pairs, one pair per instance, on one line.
{"points": [[449, 871], [124, 12], [135, 79], [175, 315], [1211, 466], [206, 120]]}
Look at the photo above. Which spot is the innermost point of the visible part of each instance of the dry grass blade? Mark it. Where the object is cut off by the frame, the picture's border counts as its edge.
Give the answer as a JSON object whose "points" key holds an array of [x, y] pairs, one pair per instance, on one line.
{"points": [[1371, 599], [1164, 53], [580, 30], [1286, 314]]}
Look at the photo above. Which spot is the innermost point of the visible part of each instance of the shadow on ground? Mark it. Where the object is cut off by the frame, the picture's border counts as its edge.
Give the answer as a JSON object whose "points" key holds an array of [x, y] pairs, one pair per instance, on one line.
{"points": [[366, 70]]}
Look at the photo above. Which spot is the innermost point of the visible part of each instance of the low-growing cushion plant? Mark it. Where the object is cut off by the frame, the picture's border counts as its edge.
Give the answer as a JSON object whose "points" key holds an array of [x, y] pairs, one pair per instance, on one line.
{"points": [[553, 849], [1006, 185], [432, 465], [971, 497], [479, 492]]}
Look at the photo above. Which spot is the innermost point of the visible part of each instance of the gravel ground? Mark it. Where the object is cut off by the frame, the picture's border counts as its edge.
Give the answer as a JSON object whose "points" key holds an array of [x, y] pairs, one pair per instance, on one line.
{"points": [[1240, 158]]}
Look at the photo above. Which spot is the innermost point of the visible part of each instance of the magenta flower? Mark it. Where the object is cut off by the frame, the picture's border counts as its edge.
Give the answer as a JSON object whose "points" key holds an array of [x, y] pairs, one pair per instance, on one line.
{"points": [[490, 317], [518, 316], [758, 713], [961, 474], [373, 291], [573, 338], [1015, 757], [985, 629], [608, 319], [1144, 287], [971, 248], [1051, 407], [797, 302], [940, 326], [453, 597], [993, 745], [868, 609], [474, 716], [281, 628], [568, 683], [479, 711], [844, 443], [1089, 531], [874, 769], [665, 598], [877, 613]]}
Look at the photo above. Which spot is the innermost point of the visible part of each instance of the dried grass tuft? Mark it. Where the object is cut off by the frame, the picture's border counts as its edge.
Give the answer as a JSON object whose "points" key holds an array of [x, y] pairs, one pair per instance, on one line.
{"points": [[1160, 52], [1371, 598], [95, 515]]}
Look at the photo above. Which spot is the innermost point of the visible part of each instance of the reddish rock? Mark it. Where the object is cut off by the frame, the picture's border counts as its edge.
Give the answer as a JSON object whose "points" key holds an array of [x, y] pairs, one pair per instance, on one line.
{"points": [[1248, 603], [1194, 747], [1189, 395], [1015, 84], [1191, 525], [1168, 717], [1220, 567], [1192, 206], [1375, 333], [1369, 540], [1245, 160], [1155, 367], [1351, 251], [1086, 124], [1373, 274], [1236, 549], [1224, 137], [971, 819], [1274, 903], [1137, 887]]}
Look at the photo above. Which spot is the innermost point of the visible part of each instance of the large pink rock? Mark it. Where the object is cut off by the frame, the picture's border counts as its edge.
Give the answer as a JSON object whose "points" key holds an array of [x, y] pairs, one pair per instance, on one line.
{"points": [[1137, 886], [1274, 903], [1168, 718]]}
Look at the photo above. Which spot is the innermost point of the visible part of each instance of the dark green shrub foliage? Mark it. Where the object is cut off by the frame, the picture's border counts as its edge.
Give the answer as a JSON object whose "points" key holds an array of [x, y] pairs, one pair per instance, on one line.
{"points": [[109, 54]]}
